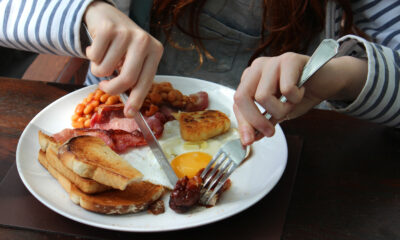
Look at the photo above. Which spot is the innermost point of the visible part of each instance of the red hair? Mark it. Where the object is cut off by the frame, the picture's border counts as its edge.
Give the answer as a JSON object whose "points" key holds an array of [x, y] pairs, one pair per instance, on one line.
{"points": [[288, 25]]}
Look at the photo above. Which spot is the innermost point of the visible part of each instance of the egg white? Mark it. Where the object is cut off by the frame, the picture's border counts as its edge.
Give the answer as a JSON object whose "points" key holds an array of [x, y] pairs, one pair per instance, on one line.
{"points": [[173, 145]]}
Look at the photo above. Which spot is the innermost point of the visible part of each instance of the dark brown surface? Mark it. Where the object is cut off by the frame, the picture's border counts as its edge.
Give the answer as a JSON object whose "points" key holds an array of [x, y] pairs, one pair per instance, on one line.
{"points": [[347, 185], [20, 101], [348, 181]]}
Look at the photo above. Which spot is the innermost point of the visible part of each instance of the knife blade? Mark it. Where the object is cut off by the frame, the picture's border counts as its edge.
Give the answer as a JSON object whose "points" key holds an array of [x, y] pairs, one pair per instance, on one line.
{"points": [[153, 144], [147, 132]]}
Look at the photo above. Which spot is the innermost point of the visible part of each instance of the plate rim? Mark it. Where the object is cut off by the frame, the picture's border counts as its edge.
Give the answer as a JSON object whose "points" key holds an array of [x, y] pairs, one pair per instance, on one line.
{"points": [[63, 213]]}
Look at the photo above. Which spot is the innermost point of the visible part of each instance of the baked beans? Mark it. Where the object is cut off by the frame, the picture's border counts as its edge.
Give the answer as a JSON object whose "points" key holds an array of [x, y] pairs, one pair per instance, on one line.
{"points": [[89, 105]]}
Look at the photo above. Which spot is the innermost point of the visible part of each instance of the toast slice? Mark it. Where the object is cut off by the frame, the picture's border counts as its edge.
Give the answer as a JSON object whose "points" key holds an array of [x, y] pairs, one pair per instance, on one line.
{"points": [[136, 197], [86, 185], [202, 125], [50, 147], [46, 141], [90, 157]]}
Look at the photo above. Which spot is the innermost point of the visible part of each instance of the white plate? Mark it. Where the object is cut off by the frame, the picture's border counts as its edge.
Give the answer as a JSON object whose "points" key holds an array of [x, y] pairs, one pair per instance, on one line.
{"points": [[250, 182]]}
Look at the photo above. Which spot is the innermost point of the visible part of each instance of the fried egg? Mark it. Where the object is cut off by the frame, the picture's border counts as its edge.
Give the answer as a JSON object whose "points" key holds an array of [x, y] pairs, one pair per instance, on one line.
{"points": [[186, 158]]}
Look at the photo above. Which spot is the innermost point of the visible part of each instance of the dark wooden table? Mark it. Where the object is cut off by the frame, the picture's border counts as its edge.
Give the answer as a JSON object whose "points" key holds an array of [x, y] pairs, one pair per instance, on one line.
{"points": [[347, 184]]}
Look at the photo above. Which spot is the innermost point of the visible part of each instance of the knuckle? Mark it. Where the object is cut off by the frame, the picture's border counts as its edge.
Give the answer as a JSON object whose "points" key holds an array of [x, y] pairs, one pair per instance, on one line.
{"points": [[238, 97], [94, 56], [143, 39], [287, 90], [107, 27], [245, 75], [288, 56], [106, 30], [292, 92], [262, 98], [158, 48], [96, 70], [259, 61], [123, 35]]}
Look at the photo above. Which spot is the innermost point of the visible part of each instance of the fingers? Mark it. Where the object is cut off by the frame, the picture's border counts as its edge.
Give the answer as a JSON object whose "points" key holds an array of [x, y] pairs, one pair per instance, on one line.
{"points": [[268, 90], [137, 72], [139, 92], [112, 58], [246, 131], [264, 82], [244, 99], [128, 76], [293, 64], [119, 43], [99, 47]]}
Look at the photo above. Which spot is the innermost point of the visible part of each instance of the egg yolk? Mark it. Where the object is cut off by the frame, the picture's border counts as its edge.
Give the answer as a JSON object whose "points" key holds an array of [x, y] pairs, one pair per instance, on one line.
{"points": [[189, 164]]}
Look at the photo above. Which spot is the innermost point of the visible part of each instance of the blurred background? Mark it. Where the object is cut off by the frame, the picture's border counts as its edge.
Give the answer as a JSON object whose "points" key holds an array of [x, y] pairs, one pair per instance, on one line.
{"points": [[42, 67], [13, 63]]}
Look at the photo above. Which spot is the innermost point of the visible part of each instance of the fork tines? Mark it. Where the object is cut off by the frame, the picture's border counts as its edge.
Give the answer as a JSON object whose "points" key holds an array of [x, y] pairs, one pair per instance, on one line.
{"points": [[215, 177]]}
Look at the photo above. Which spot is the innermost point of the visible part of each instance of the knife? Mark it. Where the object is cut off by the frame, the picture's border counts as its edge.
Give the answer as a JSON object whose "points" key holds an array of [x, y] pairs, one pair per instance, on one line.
{"points": [[153, 144], [147, 133]]}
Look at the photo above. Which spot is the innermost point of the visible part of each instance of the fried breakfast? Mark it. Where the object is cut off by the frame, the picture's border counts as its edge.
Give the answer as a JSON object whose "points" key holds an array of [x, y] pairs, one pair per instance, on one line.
{"points": [[102, 166]]}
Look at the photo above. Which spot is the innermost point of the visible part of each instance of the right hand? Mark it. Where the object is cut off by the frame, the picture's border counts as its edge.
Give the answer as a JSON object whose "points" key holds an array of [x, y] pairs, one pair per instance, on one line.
{"points": [[119, 43], [268, 78]]}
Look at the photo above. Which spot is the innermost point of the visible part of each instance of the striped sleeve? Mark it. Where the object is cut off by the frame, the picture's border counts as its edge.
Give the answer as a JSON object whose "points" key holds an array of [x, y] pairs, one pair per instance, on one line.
{"points": [[43, 26], [379, 100], [379, 20]]}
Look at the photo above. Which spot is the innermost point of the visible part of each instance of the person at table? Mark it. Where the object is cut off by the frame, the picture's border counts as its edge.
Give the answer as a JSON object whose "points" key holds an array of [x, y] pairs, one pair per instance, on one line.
{"points": [[260, 47]]}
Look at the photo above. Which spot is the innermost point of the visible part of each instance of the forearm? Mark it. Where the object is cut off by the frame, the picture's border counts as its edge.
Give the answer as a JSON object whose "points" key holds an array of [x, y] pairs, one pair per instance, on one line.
{"points": [[43, 26]]}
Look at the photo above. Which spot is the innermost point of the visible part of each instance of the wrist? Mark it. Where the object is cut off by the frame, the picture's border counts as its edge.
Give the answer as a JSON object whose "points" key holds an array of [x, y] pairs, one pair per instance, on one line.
{"points": [[350, 73]]}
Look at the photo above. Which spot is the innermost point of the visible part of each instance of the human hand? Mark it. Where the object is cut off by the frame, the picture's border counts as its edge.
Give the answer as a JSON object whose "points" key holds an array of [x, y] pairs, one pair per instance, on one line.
{"points": [[119, 43], [268, 78]]}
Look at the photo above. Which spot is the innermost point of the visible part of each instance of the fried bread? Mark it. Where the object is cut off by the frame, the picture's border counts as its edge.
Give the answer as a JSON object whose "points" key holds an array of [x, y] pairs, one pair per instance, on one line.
{"points": [[90, 157], [202, 125], [136, 197]]}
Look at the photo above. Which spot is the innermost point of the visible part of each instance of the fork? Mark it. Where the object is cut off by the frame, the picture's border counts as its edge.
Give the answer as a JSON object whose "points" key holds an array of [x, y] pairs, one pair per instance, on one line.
{"points": [[227, 159], [325, 51]]}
